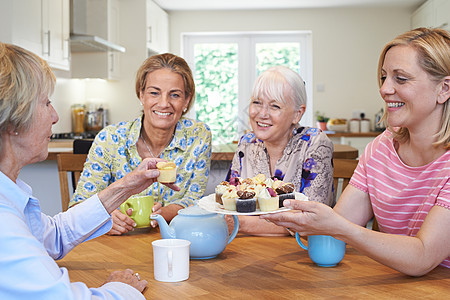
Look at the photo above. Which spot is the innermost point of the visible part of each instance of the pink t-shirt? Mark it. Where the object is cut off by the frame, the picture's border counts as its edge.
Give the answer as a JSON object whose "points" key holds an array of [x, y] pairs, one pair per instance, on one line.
{"points": [[401, 195]]}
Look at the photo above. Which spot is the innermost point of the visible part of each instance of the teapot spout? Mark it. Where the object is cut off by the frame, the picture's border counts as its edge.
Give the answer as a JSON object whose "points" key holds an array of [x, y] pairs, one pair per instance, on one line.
{"points": [[166, 231]]}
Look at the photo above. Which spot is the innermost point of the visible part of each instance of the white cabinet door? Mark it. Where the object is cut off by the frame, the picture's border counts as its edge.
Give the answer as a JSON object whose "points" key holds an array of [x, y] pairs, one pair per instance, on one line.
{"points": [[443, 14], [157, 29], [433, 13], [55, 33], [423, 16], [21, 24], [113, 36]]}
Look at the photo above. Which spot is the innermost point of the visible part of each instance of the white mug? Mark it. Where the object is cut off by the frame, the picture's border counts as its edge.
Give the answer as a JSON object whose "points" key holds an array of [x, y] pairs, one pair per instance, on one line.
{"points": [[171, 259]]}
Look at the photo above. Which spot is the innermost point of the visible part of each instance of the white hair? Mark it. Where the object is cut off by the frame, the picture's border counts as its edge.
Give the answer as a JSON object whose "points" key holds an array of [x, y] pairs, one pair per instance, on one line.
{"points": [[279, 83]]}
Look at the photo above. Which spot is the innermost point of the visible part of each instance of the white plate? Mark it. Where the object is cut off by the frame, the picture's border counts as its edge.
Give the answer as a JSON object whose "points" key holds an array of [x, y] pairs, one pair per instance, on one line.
{"points": [[209, 203]]}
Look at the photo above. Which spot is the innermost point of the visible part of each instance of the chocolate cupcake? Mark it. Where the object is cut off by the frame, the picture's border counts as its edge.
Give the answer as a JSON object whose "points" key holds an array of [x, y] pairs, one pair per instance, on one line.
{"points": [[246, 202], [285, 191], [220, 189]]}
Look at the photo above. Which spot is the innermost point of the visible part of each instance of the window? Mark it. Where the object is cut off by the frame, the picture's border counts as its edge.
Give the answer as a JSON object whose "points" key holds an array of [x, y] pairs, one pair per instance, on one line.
{"points": [[225, 67]]}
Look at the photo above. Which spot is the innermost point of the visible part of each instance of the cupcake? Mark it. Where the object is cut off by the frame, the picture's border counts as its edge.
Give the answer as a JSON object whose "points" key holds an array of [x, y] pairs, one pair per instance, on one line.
{"points": [[167, 172], [284, 191], [268, 200], [246, 202], [229, 198], [220, 189], [259, 179]]}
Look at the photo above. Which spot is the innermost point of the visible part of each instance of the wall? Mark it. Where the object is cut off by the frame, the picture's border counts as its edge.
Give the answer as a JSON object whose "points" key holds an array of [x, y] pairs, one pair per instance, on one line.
{"points": [[346, 46]]}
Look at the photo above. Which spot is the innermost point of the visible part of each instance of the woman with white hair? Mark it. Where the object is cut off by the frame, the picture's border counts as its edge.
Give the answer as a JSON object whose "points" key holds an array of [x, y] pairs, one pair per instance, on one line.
{"points": [[279, 147]]}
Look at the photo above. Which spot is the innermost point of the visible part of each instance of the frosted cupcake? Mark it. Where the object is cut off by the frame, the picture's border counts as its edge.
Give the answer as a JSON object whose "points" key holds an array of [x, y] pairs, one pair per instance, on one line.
{"points": [[268, 200], [283, 190], [229, 198], [220, 190], [246, 202]]}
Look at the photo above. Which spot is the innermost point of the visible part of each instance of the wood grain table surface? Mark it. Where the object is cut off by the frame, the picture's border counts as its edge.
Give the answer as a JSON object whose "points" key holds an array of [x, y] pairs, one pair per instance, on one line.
{"points": [[253, 268]]}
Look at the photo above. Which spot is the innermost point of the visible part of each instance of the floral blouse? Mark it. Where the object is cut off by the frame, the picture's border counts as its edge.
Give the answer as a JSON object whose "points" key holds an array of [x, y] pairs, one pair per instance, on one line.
{"points": [[114, 154], [306, 162]]}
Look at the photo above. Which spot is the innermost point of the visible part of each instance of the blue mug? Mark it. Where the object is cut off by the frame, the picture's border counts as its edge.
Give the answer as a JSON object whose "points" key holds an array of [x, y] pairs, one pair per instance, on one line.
{"points": [[324, 250]]}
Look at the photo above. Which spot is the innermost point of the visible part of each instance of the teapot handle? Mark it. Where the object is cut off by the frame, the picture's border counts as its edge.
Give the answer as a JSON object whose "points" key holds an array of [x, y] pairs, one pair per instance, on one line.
{"points": [[235, 229]]}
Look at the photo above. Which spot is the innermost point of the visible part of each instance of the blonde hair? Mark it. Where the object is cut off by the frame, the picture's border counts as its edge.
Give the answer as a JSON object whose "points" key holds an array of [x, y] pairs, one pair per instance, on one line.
{"points": [[279, 82], [433, 52], [25, 78], [167, 61]]}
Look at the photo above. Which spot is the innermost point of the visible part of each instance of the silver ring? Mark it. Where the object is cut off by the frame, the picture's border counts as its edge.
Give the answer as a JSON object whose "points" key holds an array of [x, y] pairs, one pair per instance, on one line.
{"points": [[137, 276]]}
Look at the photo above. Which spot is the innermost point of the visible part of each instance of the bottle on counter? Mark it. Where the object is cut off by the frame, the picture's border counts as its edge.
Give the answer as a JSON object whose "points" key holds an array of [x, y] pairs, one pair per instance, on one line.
{"points": [[78, 115]]}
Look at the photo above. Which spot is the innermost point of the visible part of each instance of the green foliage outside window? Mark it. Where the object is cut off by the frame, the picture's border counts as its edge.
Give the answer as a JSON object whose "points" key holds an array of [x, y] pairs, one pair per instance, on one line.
{"points": [[216, 79]]}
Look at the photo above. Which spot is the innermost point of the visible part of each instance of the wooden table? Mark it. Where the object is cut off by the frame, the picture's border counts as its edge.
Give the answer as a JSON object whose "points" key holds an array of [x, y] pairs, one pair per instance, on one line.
{"points": [[253, 268]]}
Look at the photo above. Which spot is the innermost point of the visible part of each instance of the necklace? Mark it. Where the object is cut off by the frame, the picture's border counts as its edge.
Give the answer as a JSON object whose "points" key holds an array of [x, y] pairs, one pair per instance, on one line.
{"points": [[146, 146]]}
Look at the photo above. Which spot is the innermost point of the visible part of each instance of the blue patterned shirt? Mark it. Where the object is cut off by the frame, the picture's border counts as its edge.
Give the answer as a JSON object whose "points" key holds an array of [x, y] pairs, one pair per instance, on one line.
{"points": [[114, 154]]}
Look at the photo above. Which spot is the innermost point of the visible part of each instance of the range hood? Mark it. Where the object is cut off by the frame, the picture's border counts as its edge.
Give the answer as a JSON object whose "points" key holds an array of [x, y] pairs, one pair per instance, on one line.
{"points": [[92, 43], [89, 27]]}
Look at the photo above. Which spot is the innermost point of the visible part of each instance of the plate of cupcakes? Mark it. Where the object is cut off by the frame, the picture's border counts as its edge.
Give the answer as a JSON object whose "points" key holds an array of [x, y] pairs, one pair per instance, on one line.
{"points": [[251, 196]]}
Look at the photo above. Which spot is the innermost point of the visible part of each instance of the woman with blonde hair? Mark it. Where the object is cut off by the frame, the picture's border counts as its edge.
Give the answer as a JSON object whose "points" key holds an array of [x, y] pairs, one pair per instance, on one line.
{"points": [[403, 177], [30, 240]]}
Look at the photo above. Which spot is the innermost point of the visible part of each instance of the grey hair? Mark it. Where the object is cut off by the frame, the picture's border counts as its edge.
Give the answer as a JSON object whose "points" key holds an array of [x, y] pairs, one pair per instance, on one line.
{"points": [[24, 79], [279, 82]]}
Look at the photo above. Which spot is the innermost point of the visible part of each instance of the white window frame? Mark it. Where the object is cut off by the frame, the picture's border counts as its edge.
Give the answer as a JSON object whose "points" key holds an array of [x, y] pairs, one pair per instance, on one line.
{"points": [[246, 59]]}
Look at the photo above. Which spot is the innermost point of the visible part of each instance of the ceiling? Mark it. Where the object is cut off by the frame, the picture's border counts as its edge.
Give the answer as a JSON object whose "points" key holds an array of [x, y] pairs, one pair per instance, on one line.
{"points": [[179, 5]]}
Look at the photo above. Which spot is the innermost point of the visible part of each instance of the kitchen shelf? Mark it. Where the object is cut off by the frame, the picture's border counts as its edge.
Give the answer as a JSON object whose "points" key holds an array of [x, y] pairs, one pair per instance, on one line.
{"points": [[352, 134]]}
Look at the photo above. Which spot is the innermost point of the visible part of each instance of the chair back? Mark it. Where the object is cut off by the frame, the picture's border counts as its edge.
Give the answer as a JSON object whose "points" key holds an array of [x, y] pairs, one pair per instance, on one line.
{"points": [[343, 169], [342, 173], [69, 163]]}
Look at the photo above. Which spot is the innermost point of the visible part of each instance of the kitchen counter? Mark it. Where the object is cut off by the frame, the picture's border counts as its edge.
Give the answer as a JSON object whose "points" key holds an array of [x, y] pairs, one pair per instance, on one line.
{"points": [[219, 152], [332, 134]]}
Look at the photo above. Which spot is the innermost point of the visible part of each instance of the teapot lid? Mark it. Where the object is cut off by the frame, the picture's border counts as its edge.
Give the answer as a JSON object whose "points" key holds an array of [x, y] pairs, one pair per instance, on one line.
{"points": [[194, 211]]}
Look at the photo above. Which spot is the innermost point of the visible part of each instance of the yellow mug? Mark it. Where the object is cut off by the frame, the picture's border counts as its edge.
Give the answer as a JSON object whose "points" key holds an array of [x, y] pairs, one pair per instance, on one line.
{"points": [[142, 209]]}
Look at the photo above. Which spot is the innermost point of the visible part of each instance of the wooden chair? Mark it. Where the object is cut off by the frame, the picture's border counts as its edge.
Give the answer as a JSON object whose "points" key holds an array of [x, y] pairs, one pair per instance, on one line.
{"points": [[69, 163], [342, 172]]}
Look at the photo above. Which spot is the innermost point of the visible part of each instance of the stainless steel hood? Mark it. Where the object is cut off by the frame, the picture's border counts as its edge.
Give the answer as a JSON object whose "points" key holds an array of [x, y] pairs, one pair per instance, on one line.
{"points": [[89, 27], [92, 43]]}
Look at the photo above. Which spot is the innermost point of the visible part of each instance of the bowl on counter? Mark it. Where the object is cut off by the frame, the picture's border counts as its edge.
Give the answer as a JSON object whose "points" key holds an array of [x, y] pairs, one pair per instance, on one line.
{"points": [[338, 125]]}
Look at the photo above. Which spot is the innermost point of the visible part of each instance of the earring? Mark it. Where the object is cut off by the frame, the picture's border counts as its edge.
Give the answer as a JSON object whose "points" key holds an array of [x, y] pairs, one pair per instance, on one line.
{"points": [[141, 103], [16, 133], [185, 109]]}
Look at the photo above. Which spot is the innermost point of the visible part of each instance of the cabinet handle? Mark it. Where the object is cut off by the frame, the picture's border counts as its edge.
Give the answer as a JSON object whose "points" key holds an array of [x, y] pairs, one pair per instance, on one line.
{"points": [[48, 43], [111, 57], [149, 34], [66, 49]]}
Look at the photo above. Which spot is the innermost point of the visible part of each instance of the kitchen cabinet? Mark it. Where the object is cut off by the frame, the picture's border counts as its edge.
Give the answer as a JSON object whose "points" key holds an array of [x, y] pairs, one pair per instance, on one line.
{"points": [[56, 33], [433, 13], [104, 24], [38, 26], [157, 29]]}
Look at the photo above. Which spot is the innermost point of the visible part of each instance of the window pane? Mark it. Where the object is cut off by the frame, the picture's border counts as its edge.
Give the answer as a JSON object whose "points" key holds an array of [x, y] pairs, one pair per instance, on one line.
{"points": [[216, 84], [272, 54]]}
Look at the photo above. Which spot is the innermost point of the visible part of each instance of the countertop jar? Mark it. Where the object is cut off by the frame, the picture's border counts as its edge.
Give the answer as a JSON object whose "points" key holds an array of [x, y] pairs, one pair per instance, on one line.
{"points": [[78, 114]]}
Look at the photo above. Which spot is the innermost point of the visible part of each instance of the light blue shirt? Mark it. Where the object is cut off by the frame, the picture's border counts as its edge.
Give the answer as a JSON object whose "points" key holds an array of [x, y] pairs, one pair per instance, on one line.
{"points": [[30, 241]]}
